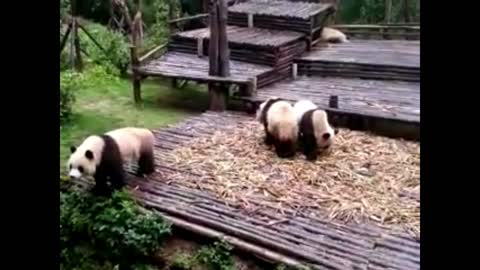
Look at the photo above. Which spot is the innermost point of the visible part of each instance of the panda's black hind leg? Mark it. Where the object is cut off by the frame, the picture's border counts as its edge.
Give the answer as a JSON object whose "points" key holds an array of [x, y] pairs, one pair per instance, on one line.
{"points": [[146, 163]]}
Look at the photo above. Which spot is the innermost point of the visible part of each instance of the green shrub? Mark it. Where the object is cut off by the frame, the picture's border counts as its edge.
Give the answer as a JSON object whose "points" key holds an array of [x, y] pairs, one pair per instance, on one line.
{"points": [[217, 257], [183, 261], [115, 54], [96, 230], [69, 82]]}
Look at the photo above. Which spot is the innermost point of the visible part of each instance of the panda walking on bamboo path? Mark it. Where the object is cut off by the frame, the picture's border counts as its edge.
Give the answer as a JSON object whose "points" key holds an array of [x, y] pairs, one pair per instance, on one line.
{"points": [[315, 132], [103, 157], [281, 126]]}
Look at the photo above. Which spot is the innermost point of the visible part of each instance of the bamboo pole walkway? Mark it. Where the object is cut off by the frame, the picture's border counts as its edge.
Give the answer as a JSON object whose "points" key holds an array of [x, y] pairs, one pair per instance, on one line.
{"points": [[282, 237]]}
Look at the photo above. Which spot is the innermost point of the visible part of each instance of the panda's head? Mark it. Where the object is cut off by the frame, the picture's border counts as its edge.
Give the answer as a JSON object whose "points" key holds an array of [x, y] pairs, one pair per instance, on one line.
{"points": [[324, 133], [83, 160]]}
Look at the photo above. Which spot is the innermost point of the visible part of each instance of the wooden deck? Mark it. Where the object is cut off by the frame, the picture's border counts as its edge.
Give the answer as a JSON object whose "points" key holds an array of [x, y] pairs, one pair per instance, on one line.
{"points": [[302, 17], [362, 104], [191, 67], [293, 237], [252, 45], [374, 59]]}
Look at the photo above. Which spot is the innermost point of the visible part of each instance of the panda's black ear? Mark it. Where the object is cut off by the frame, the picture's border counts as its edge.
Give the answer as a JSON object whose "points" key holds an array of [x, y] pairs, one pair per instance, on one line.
{"points": [[73, 149], [89, 154]]}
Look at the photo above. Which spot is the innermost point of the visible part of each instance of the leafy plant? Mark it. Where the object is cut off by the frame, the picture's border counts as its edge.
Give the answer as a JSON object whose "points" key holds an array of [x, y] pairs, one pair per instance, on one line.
{"points": [[115, 54], [69, 82], [101, 230], [182, 261], [217, 257]]}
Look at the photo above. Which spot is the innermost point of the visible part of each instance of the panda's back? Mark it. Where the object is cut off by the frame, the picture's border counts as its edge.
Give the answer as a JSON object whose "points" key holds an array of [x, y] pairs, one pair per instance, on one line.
{"points": [[131, 141], [301, 107]]}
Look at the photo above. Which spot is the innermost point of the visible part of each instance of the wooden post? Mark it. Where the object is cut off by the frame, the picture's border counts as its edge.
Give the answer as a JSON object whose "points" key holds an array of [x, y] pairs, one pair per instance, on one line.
{"points": [[215, 90], [224, 52], [406, 10], [76, 40], [388, 10], [65, 38], [75, 56], [137, 96], [333, 102]]}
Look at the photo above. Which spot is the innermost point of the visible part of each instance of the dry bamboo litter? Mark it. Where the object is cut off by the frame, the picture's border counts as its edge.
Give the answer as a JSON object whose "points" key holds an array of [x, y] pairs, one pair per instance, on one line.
{"points": [[252, 45], [362, 179]]}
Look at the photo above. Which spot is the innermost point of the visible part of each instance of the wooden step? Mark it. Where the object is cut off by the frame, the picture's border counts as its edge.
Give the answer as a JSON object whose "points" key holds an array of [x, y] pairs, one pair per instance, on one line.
{"points": [[368, 59], [304, 17], [191, 67], [252, 45]]}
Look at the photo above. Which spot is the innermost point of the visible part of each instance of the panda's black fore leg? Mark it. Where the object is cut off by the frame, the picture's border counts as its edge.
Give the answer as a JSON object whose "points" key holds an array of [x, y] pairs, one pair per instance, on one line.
{"points": [[309, 147], [269, 139], [117, 179], [100, 188], [146, 164]]}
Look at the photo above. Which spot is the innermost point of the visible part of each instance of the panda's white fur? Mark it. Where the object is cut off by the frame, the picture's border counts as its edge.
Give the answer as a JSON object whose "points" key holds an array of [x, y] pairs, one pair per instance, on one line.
{"points": [[282, 122], [321, 128], [281, 126], [301, 107], [333, 35], [315, 129], [132, 141], [103, 156]]}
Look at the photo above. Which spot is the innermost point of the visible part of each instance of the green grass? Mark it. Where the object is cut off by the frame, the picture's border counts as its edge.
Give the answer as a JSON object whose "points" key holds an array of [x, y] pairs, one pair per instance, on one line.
{"points": [[103, 106]]}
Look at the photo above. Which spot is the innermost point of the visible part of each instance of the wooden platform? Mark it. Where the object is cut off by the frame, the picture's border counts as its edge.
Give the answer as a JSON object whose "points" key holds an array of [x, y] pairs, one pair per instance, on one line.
{"points": [[377, 59], [252, 45], [191, 67], [287, 237], [302, 17], [390, 108]]}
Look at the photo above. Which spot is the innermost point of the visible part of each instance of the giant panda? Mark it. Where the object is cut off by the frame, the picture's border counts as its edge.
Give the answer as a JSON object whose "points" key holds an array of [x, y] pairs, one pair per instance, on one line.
{"points": [[103, 157], [281, 126], [333, 36], [315, 131]]}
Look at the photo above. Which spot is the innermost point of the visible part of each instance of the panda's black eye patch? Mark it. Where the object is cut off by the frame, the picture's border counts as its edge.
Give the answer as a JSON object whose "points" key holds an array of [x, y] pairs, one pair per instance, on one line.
{"points": [[80, 169], [70, 166]]}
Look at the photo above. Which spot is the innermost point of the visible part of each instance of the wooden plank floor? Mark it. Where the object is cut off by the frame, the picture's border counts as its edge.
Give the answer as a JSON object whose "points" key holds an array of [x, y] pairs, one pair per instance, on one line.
{"points": [[393, 101], [248, 36], [381, 59], [303, 10], [192, 67], [320, 243]]}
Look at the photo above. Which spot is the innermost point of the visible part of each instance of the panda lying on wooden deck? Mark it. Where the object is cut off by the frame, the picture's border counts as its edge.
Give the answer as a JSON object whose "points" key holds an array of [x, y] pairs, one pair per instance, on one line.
{"points": [[103, 157]]}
